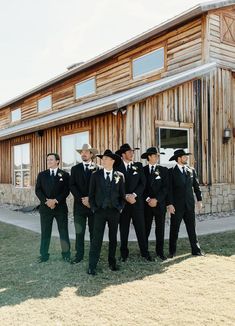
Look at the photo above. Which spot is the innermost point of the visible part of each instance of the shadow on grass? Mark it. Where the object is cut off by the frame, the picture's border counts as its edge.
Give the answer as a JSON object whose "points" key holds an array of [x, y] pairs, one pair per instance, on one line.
{"points": [[22, 278]]}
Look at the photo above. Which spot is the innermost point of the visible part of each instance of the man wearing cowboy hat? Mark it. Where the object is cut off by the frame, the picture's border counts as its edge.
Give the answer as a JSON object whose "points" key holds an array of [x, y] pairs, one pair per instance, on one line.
{"points": [[107, 199], [155, 194], [134, 209], [79, 186], [182, 182]]}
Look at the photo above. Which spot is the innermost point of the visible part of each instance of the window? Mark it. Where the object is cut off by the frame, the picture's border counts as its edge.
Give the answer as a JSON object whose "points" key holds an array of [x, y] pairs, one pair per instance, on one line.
{"points": [[69, 144], [44, 103], [148, 63], [87, 87], [16, 115], [171, 139], [21, 165]]}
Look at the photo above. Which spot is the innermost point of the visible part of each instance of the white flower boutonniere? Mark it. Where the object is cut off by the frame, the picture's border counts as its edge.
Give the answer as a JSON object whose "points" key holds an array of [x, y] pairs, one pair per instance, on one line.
{"points": [[188, 170], [157, 173], [116, 178], [134, 167], [92, 167], [60, 174]]}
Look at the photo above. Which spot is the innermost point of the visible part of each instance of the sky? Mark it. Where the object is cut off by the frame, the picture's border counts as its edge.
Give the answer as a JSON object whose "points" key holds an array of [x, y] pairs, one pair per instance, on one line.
{"points": [[40, 39]]}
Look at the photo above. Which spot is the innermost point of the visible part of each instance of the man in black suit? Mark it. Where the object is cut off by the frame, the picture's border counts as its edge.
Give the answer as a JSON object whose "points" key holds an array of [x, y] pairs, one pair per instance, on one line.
{"points": [[106, 198], [52, 189], [182, 182], [155, 198], [79, 186], [135, 182]]}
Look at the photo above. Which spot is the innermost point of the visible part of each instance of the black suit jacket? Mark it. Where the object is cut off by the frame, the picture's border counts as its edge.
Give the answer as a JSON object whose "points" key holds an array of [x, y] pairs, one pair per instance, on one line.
{"points": [[157, 185], [135, 180], [57, 189], [79, 186], [97, 190], [181, 190]]}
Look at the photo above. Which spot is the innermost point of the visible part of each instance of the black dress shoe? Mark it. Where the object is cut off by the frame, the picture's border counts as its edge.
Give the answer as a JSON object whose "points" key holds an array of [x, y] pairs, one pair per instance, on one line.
{"points": [[171, 255], [199, 253], [114, 267], [91, 271], [75, 260], [123, 259], [162, 257], [43, 259]]}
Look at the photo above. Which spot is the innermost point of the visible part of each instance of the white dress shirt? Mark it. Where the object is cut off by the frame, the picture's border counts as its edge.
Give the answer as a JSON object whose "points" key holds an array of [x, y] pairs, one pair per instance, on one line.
{"points": [[55, 171], [110, 174]]}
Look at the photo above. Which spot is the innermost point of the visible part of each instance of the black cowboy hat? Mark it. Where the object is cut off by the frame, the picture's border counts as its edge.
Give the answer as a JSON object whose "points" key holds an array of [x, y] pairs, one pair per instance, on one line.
{"points": [[150, 151], [178, 153], [113, 156], [124, 148]]}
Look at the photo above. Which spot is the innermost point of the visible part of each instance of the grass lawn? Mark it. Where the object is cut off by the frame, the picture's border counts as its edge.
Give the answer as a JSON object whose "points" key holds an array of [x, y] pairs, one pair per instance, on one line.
{"points": [[183, 291]]}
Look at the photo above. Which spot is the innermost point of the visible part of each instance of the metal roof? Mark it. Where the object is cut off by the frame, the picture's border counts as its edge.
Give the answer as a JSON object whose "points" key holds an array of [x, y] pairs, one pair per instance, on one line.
{"points": [[106, 104], [183, 17]]}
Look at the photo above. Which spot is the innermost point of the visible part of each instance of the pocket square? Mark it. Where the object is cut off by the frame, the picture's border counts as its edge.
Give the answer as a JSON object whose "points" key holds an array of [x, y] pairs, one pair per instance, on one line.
{"points": [[61, 179], [158, 177]]}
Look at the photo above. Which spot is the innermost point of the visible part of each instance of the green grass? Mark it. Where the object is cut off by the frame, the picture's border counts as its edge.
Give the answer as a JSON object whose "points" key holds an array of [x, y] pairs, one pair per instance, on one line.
{"points": [[22, 278]]}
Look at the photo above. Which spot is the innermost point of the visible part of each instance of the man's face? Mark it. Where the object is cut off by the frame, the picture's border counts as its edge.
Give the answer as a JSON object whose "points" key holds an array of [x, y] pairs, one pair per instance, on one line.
{"points": [[52, 163], [86, 156], [107, 162], [128, 155], [183, 159], [153, 159]]}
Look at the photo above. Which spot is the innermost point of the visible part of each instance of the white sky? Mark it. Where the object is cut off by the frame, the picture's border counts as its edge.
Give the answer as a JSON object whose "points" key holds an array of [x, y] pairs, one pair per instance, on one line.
{"points": [[39, 39]]}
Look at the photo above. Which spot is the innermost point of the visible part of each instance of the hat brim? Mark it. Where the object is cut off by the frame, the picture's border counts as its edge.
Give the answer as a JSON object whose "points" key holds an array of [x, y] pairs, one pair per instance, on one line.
{"points": [[145, 155], [94, 151], [115, 157], [174, 157]]}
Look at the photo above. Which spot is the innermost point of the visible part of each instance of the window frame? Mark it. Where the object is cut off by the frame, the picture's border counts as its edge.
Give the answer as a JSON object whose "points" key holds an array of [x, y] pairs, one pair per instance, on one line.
{"points": [[152, 72], [13, 110], [88, 94], [21, 170], [42, 98]]}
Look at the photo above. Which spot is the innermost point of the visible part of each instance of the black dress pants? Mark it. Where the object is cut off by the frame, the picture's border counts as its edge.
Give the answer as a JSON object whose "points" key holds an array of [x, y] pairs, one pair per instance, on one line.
{"points": [[47, 216], [158, 214], [135, 213], [80, 229], [189, 219], [101, 216]]}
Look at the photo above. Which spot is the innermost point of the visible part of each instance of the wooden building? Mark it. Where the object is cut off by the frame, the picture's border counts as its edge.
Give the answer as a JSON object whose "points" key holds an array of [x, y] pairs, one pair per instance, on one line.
{"points": [[172, 86]]}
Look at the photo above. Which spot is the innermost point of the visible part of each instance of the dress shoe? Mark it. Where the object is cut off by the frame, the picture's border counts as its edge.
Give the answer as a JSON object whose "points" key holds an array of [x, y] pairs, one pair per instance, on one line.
{"points": [[75, 260], [162, 257], [170, 255], [123, 259], [66, 259], [42, 259], [113, 267], [91, 271], [199, 253]]}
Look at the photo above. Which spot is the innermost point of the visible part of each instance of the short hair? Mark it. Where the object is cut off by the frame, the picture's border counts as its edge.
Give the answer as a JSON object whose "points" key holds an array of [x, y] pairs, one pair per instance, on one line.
{"points": [[57, 157]]}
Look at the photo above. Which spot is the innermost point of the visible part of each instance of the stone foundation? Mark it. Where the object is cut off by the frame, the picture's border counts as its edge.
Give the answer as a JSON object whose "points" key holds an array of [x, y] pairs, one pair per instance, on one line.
{"points": [[216, 198]]}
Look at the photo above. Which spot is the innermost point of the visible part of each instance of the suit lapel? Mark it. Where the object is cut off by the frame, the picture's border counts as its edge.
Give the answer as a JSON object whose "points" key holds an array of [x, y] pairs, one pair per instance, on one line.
{"points": [[101, 178]]}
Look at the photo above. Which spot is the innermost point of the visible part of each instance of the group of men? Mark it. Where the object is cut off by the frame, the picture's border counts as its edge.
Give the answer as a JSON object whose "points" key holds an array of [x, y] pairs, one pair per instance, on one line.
{"points": [[118, 192]]}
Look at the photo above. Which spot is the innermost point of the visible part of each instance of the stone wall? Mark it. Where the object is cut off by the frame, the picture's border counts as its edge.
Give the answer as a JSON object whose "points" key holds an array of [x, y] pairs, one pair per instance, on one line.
{"points": [[216, 198]]}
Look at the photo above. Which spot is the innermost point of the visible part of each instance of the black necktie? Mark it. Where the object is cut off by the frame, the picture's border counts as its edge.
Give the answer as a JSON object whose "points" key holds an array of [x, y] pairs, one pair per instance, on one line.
{"points": [[129, 168], [152, 170], [86, 170], [107, 177], [52, 173], [184, 172]]}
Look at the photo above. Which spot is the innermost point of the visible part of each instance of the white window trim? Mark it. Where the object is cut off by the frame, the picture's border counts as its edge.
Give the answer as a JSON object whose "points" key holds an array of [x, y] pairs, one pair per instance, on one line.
{"points": [[81, 82], [20, 170], [152, 72]]}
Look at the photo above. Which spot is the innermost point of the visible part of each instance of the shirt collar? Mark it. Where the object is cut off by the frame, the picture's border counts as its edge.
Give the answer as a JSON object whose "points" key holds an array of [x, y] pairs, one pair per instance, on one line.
{"points": [[127, 164], [55, 171], [181, 167], [110, 173], [84, 164]]}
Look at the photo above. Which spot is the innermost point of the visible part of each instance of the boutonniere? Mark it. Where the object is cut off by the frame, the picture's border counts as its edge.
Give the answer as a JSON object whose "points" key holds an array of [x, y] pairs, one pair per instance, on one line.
{"points": [[91, 167], [116, 178], [157, 173], [60, 174], [134, 167], [188, 170]]}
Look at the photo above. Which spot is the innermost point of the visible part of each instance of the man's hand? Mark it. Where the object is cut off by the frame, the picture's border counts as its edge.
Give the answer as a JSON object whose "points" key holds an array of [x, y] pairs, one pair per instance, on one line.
{"points": [[171, 209], [85, 201], [51, 203], [130, 198], [199, 205], [152, 202]]}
